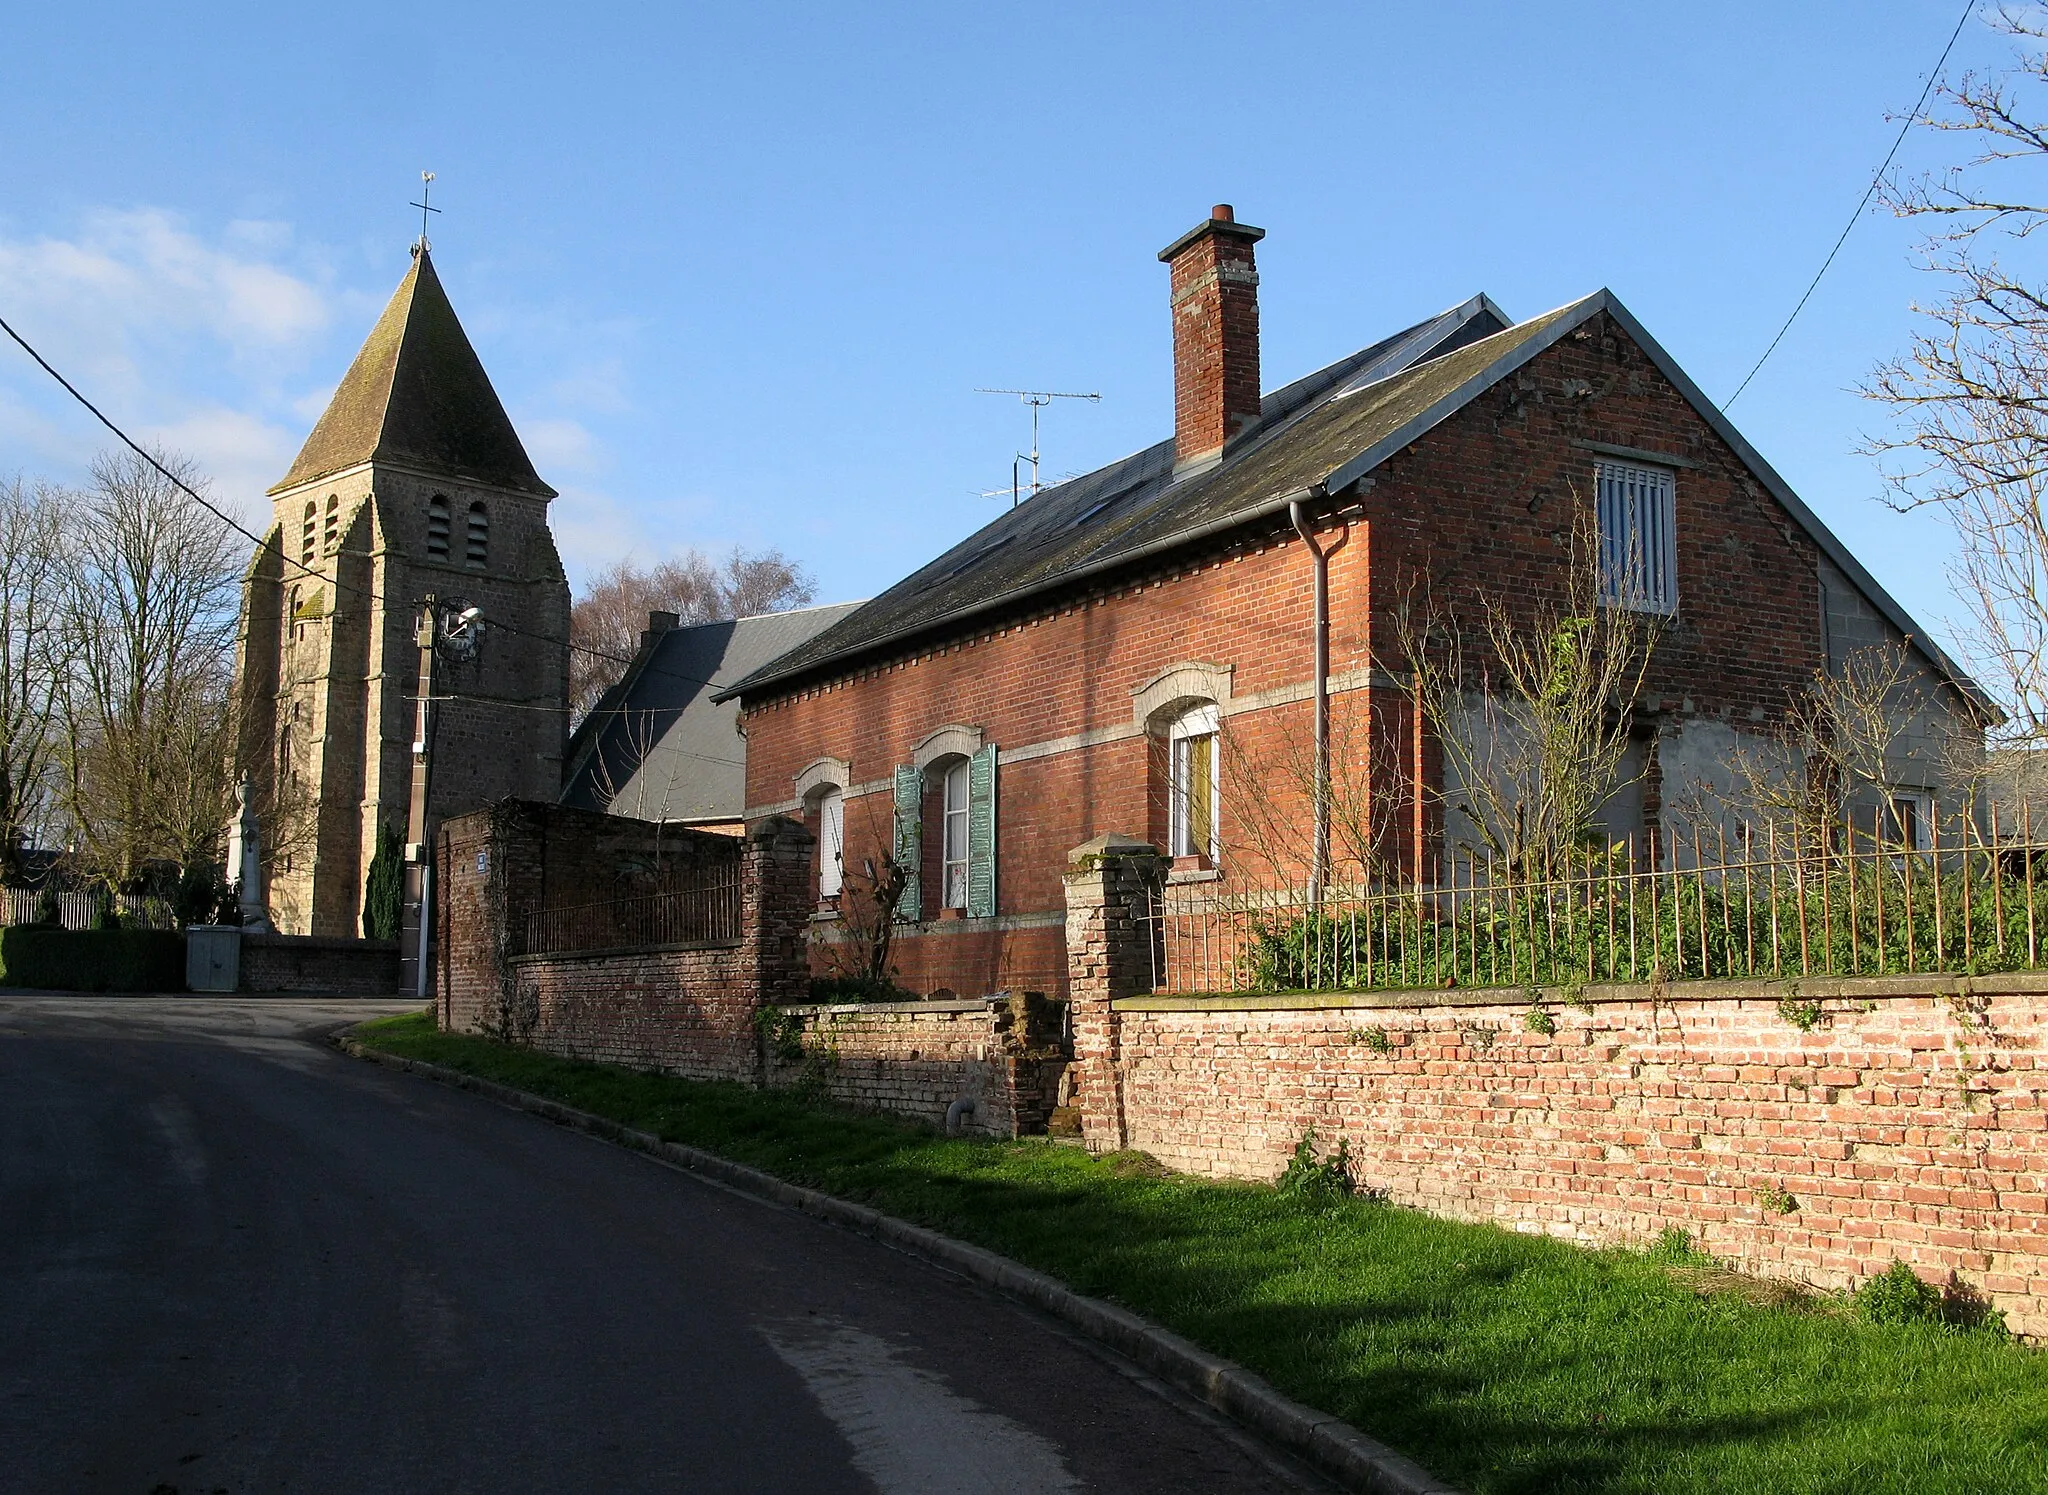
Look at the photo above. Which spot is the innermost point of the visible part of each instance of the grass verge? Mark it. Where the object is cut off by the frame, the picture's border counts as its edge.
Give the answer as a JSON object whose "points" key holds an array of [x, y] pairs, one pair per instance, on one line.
{"points": [[1504, 1362]]}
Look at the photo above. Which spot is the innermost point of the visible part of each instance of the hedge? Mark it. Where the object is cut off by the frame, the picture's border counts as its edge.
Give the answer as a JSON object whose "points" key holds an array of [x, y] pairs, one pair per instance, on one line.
{"points": [[36, 955]]}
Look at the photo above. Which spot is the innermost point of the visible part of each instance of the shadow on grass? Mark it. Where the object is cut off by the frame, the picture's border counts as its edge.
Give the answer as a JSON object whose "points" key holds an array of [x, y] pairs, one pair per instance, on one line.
{"points": [[1505, 1362]]}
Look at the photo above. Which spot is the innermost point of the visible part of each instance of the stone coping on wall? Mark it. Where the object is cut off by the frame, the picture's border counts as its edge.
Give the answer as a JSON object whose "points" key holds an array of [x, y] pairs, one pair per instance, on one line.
{"points": [[1803, 988], [903, 1009], [613, 952], [273, 940]]}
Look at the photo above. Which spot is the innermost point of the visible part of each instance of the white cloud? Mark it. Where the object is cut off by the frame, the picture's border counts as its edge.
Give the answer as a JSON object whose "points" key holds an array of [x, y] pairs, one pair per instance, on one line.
{"points": [[593, 529], [594, 384], [560, 446], [181, 337], [136, 275], [243, 455]]}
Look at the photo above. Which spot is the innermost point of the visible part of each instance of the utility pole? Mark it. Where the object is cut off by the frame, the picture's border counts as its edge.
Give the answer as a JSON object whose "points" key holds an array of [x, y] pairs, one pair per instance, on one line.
{"points": [[417, 932]]}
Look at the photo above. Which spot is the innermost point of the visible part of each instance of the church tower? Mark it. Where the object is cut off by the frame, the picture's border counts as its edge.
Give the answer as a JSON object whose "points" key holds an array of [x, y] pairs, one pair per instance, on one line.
{"points": [[412, 486]]}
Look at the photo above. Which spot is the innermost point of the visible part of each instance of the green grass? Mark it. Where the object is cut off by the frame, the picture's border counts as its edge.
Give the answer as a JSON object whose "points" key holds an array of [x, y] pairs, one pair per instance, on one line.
{"points": [[1504, 1362]]}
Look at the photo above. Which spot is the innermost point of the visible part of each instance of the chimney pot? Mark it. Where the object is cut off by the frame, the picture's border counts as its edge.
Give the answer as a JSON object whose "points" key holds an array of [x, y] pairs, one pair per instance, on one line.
{"points": [[1215, 299]]}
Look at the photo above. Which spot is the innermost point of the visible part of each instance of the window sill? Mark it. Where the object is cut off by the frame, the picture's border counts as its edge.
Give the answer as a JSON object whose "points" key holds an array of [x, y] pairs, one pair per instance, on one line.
{"points": [[1180, 875], [825, 916]]}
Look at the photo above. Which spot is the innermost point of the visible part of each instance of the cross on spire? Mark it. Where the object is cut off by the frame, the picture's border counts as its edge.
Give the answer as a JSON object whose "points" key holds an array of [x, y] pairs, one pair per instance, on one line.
{"points": [[426, 195]]}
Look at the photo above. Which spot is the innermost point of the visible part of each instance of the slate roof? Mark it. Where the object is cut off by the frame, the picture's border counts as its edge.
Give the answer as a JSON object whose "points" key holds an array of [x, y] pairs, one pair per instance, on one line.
{"points": [[1135, 505], [417, 394], [672, 751], [1317, 435]]}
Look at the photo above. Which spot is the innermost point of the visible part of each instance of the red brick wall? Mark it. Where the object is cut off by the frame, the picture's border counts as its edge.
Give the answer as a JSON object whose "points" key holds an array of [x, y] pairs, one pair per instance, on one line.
{"points": [[1055, 675], [917, 1059], [686, 1009], [1484, 501], [1906, 1126], [686, 1012], [305, 962]]}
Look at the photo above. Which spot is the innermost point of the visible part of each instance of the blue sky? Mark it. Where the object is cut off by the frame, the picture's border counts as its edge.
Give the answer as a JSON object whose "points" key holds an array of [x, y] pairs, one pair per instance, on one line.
{"points": [[737, 270]]}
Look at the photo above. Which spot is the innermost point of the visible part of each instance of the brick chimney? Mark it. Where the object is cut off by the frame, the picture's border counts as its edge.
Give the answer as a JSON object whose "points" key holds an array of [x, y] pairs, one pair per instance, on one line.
{"points": [[1215, 335]]}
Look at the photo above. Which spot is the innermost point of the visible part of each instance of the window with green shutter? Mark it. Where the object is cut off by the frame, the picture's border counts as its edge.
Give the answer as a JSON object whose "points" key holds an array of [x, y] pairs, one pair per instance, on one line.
{"points": [[908, 847], [981, 834]]}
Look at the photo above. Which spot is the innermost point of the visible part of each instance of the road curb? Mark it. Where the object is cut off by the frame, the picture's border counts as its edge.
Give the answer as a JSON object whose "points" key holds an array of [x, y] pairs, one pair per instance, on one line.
{"points": [[1330, 1443]]}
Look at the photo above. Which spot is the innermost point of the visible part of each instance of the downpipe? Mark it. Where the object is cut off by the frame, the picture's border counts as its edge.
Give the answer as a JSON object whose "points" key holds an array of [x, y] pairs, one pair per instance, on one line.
{"points": [[1319, 868], [957, 1114]]}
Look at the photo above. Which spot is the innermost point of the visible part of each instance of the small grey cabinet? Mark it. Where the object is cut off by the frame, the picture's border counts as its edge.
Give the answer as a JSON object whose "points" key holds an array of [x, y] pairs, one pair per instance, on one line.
{"points": [[213, 957]]}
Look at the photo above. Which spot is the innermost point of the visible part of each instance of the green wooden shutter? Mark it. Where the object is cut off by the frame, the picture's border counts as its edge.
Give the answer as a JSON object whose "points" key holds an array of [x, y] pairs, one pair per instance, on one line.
{"points": [[909, 845], [981, 834]]}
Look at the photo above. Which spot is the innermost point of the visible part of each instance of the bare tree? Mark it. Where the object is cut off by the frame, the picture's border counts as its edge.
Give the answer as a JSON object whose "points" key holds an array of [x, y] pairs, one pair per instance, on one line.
{"points": [[1272, 781], [1836, 738], [150, 626], [32, 591], [860, 949], [606, 621], [1531, 697], [1971, 395]]}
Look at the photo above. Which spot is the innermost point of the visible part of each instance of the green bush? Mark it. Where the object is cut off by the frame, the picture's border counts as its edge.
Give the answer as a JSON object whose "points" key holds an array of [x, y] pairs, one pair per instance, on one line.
{"points": [[1315, 1178], [92, 959], [1879, 917], [838, 989], [1899, 1296], [384, 888], [201, 897]]}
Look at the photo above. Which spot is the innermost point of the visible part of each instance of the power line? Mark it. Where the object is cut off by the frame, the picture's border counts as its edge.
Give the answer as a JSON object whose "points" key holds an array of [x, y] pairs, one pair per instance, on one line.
{"points": [[369, 594], [1869, 192]]}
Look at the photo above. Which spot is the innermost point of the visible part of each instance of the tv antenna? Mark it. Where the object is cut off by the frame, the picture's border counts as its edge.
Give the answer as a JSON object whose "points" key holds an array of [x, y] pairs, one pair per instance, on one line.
{"points": [[1037, 399], [426, 196]]}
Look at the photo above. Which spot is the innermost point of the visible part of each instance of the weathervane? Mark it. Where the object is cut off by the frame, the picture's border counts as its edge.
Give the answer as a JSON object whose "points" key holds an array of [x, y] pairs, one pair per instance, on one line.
{"points": [[426, 194]]}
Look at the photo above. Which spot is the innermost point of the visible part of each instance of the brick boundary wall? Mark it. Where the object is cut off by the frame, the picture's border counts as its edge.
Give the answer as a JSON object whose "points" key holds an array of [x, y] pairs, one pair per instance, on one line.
{"points": [[1907, 1124], [318, 963], [1004, 1053], [685, 1009]]}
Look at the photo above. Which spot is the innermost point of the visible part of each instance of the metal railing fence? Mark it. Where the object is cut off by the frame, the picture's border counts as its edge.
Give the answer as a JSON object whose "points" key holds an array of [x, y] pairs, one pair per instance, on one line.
{"points": [[1850, 903], [76, 908], [699, 908]]}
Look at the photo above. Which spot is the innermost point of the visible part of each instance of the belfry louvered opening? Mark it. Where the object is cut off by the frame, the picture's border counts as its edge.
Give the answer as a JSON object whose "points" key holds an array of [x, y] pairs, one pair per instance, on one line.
{"points": [[437, 528], [1638, 537], [477, 544]]}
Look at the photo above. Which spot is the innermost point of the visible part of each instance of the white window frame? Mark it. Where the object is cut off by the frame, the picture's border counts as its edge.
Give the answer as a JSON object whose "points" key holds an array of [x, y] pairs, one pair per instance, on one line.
{"points": [[1190, 727], [955, 834], [1638, 527], [831, 842]]}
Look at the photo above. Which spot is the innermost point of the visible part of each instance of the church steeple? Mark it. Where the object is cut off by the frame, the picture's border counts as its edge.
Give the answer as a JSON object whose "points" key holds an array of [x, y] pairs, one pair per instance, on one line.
{"points": [[418, 395]]}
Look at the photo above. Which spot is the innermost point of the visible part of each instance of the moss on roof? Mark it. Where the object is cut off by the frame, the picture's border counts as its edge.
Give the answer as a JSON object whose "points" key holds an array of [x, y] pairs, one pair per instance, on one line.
{"points": [[1136, 507], [418, 394]]}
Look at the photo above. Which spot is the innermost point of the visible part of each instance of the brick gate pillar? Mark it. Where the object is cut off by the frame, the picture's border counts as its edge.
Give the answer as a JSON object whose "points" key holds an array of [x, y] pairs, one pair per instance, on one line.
{"points": [[1110, 884], [775, 908]]}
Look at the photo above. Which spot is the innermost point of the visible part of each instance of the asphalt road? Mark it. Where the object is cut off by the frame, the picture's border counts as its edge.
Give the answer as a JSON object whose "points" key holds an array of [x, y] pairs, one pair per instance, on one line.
{"points": [[232, 1260]]}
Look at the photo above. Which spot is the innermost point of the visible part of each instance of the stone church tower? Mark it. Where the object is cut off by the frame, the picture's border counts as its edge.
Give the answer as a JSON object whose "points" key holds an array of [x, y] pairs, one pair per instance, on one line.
{"points": [[413, 485]]}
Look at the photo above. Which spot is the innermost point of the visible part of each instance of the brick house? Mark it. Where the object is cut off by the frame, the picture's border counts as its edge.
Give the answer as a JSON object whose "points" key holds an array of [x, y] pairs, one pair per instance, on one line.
{"points": [[1137, 650]]}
